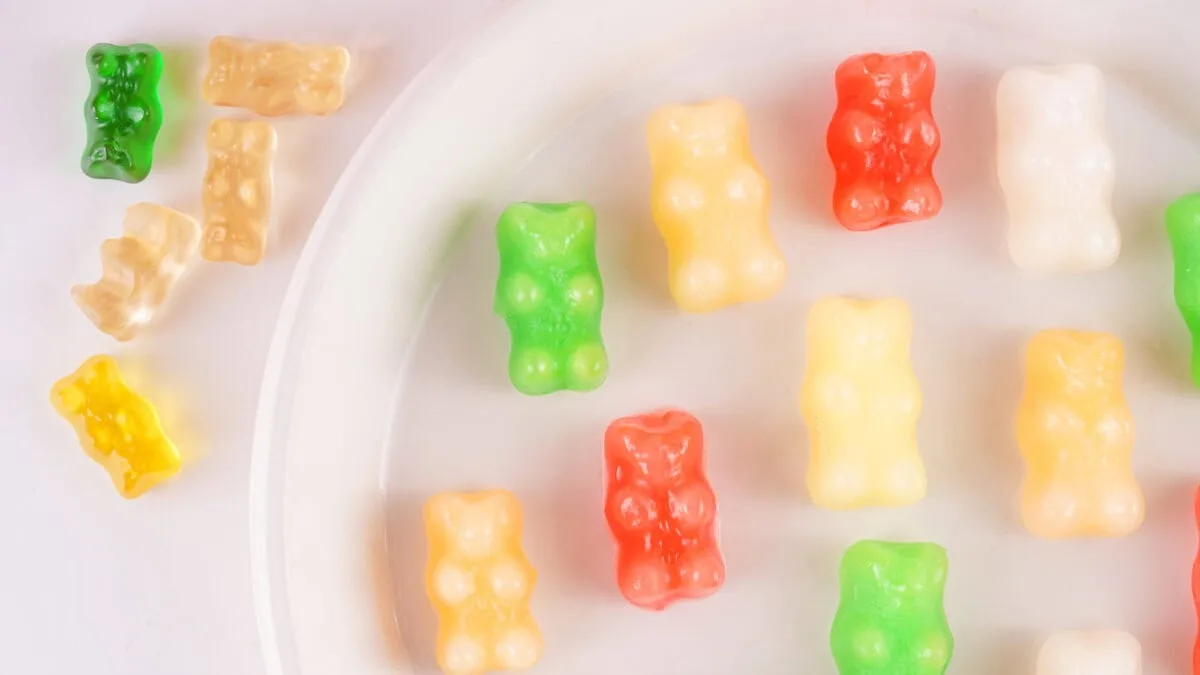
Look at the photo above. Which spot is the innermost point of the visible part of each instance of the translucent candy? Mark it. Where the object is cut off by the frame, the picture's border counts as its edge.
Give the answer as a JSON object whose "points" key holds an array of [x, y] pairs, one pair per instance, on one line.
{"points": [[276, 78], [237, 191], [710, 202], [1075, 431], [139, 269], [116, 427], [123, 113], [480, 583]]}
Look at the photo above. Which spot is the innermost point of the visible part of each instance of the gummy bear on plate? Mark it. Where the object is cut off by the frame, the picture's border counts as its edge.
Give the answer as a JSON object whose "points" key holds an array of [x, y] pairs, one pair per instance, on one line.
{"points": [[710, 202], [1075, 432], [883, 140], [661, 509], [116, 427], [276, 78], [122, 112], [140, 269], [480, 583], [890, 620], [236, 194], [550, 294]]}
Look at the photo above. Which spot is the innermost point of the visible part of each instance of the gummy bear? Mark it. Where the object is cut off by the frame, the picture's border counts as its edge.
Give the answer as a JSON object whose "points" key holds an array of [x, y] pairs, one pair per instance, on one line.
{"points": [[861, 402], [1183, 230], [275, 78], [237, 191], [122, 111], [1094, 652], [890, 619], [1196, 588], [883, 141], [710, 202], [480, 582], [116, 427], [661, 510], [1056, 168], [140, 269], [1076, 435], [550, 295]]}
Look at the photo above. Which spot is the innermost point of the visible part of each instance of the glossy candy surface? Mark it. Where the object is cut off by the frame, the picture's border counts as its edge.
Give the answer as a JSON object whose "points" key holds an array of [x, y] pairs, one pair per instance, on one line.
{"points": [[710, 201], [1056, 168], [1092, 652], [883, 141], [236, 194], [140, 269], [480, 583], [116, 427], [550, 294], [276, 78], [661, 509], [890, 619], [861, 401], [122, 112], [1183, 231], [1075, 432]]}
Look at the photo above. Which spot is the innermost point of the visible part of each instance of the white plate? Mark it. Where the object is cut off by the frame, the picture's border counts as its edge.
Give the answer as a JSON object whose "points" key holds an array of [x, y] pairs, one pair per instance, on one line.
{"points": [[354, 434]]}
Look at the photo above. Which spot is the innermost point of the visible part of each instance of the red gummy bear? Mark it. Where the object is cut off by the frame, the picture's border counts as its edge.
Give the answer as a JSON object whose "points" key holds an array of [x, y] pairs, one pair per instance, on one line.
{"points": [[883, 140], [661, 509]]}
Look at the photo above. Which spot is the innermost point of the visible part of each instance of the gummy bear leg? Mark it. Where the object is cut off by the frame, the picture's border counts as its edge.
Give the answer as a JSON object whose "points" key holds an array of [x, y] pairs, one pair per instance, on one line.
{"points": [[645, 582], [533, 371], [1122, 509], [1051, 511], [838, 483], [518, 649], [919, 199], [461, 655], [762, 271], [869, 646], [701, 572], [860, 206], [587, 367], [903, 480], [700, 285]]}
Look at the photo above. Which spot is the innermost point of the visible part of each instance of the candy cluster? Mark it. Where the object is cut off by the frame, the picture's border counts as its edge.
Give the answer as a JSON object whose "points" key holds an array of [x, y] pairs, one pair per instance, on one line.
{"points": [[860, 398]]}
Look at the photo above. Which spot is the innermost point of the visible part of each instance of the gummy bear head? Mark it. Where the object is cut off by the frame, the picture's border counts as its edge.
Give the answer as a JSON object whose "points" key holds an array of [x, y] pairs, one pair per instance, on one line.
{"points": [[242, 142], [696, 134], [850, 330], [475, 524], [97, 377], [662, 447], [555, 234], [1068, 98], [886, 80], [1074, 362], [891, 577]]}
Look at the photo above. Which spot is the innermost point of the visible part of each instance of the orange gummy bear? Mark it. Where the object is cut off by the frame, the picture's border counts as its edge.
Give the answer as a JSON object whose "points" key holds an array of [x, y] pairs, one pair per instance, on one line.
{"points": [[276, 78], [116, 427], [479, 583]]}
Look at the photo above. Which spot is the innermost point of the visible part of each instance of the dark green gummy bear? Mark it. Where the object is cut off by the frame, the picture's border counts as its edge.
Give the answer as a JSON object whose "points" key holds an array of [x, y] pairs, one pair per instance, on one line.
{"points": [[550, 295], [890, 620], [123, 113]]}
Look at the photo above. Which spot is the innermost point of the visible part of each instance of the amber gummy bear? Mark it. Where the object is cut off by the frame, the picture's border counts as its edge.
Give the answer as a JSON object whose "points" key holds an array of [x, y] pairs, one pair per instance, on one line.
{"points": [[237, 191], [139, 269], [276, 78]]}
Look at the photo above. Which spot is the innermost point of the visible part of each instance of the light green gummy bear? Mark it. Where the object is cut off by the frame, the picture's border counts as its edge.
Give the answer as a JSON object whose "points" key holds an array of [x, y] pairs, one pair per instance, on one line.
{"points": [[890, 619], [1183, 230], [550, 295]]}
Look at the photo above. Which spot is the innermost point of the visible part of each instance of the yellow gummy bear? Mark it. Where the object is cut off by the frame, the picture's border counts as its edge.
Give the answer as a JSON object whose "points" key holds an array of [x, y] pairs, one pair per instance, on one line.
{"points": [[276, 78], [1075, 432], [116, 427], [861, 402], [479, 582], [236, 193], [140, 269], [710, 202]]}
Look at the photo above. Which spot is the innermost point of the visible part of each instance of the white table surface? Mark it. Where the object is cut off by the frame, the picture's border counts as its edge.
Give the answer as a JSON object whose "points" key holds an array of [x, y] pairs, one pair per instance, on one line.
{"points": [[90, 582]]}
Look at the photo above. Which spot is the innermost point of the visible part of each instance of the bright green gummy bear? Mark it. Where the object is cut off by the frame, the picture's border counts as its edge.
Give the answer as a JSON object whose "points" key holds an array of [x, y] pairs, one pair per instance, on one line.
{"points": [[890, 619], [1183, 229], [549, 293], [122, 111]]}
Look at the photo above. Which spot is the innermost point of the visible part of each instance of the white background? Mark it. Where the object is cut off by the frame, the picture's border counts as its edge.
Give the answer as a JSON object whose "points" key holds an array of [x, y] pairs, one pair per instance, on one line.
{"points": [[159, 586]]}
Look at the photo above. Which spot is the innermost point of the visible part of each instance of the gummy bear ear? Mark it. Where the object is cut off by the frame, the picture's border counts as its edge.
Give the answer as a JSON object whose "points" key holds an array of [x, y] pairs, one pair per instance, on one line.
{"points": [[445, 509]]}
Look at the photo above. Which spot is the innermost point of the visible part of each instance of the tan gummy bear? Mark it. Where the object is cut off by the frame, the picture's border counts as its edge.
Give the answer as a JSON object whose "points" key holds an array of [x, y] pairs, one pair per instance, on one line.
{"points": [[276, 78], [237, 191]]}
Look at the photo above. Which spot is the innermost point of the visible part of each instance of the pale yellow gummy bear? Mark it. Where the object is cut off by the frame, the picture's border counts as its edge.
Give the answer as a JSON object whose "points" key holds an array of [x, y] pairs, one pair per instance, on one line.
{"points": [[710, 202], [1075, 432], [480, 583], [237, 190], [139, 269], [861, 402], [276, 78]]}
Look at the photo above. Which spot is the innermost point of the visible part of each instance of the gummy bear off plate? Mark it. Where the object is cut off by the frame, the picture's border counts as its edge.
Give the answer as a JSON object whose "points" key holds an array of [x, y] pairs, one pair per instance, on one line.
{"points": [[388, 377]]}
